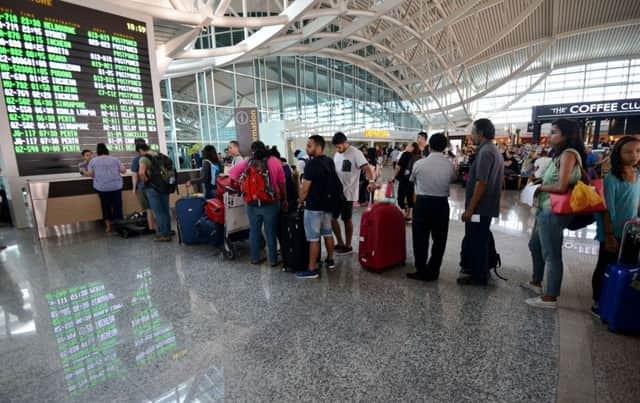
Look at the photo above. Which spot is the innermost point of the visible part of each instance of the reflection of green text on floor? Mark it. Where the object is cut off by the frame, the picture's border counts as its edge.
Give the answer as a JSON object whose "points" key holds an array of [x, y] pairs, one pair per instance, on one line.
{"points": [[153, 335], [84, 324]]}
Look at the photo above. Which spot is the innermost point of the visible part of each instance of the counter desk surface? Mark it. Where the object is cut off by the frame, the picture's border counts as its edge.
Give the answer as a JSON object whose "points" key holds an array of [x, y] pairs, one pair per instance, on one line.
{"points": [[61, 201]]}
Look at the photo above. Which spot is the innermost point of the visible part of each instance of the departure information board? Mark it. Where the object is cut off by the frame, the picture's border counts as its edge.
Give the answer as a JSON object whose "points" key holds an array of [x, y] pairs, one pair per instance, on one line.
{"points": [[73, 77]]}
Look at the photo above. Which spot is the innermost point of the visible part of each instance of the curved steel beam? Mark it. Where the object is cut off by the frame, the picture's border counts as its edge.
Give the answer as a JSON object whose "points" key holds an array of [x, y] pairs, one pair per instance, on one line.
{"points": [[495, 84]]}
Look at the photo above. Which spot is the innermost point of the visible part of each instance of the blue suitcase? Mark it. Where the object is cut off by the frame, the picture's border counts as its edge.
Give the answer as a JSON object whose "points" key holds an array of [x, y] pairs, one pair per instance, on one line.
{"points": [[189, 210], [620, 298]]}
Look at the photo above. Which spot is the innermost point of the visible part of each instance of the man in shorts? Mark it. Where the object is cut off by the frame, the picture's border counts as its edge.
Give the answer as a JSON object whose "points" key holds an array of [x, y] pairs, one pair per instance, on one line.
{"points": [[138, 185], [349, 161], [317, 213]]}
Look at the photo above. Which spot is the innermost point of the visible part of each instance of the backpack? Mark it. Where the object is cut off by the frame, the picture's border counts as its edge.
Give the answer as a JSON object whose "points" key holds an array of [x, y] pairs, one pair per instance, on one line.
{"points": [[256, 184], [334, 194], [162, 174], [215, 170]]}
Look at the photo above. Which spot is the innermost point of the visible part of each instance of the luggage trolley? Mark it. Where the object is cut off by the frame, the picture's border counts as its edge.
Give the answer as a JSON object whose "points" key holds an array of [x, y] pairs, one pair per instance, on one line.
{"points": [[236, 221]]}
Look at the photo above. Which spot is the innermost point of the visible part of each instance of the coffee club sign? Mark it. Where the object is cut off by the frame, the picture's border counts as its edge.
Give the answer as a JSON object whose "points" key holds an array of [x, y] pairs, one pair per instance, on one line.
{"points": [[588, 109]]}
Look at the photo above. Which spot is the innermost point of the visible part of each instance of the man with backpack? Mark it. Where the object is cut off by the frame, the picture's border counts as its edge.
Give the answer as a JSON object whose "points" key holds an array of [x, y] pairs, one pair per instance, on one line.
{"points": [[262, 182], [321, 195], [159, 176], [349, 161]]}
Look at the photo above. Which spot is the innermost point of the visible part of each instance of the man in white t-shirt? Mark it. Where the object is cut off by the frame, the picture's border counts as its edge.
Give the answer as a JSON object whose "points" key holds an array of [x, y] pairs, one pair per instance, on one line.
{"points": [[349, 162], [234, 150]]}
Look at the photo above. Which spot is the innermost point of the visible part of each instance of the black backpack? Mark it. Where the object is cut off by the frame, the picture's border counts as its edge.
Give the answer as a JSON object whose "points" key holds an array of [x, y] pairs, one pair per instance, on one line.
{"points": [[162, 174], [334, 192]]}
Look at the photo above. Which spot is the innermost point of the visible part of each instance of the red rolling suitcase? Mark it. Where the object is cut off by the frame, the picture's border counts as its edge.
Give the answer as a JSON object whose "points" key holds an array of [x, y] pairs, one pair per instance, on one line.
{"points": [[382, 237]]}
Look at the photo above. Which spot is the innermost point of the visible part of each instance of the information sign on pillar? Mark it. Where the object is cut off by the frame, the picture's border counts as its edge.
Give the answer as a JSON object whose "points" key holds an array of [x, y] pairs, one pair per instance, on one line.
{"points": [[247, 131]]}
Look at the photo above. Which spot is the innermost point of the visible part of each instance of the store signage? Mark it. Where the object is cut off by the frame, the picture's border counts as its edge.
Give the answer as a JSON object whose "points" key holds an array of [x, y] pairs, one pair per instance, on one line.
{"points": [[246, 120], [588, 109], [376, 133]]}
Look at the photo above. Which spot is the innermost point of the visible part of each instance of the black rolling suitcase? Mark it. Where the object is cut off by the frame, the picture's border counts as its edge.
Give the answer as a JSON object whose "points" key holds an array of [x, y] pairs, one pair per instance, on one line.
{"points": [[293, 242]]}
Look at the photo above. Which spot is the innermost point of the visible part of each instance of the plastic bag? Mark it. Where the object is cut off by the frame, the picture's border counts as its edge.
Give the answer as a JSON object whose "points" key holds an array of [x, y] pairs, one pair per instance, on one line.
{"points": [[583, 197]]}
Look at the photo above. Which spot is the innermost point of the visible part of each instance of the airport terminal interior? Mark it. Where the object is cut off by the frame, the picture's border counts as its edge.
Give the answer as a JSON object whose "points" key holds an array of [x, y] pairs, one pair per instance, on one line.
{"points": [[117, 311]]}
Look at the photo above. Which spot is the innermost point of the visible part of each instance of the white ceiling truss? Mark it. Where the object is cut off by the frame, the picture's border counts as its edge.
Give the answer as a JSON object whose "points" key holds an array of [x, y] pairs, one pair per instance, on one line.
{"points": [[440, 55]]}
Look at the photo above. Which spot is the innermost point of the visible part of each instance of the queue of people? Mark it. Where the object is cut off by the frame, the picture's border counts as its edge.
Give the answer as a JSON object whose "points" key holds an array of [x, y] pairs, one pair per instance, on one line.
{"points": [[328, 188]]}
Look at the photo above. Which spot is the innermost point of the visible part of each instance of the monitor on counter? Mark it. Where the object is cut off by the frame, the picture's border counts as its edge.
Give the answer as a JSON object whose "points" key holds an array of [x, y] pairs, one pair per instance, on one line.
{"points": [[73, 77]]}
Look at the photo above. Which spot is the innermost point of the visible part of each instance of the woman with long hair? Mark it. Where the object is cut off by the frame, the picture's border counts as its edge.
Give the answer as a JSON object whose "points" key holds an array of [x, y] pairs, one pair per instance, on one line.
{"points": [[545, 245], [622, 197], [402, 173], [211, 168], [264, 212]]}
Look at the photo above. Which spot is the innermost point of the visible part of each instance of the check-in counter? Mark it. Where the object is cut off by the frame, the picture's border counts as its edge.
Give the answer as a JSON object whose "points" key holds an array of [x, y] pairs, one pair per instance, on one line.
{"points": [[63, 206]]}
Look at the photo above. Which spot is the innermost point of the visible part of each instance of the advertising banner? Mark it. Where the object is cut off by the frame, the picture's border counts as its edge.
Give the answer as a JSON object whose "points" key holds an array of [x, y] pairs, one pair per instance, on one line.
{"points": [[623, 107], [247, 132]]}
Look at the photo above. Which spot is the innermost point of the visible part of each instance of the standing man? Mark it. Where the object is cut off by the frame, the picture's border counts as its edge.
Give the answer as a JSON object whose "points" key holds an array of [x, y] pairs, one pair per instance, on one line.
{"points": [[234, 151], [422, 142], [482, 202], [349, 161], [432, 177], [158, 201], [138, 185], [317, 213], [83, 166]]}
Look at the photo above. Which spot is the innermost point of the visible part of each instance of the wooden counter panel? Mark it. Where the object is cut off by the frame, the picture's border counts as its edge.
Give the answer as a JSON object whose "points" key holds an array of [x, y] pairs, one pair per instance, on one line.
{"points": [[73, 209]]}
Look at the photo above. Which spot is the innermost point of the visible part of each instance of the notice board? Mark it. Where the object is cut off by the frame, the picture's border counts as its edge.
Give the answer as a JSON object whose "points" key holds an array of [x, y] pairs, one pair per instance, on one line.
{"points": [[73, 77]]}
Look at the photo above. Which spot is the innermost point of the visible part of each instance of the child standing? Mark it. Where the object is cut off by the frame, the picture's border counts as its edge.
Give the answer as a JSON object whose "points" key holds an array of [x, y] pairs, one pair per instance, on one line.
{"points": [[622, 196]]}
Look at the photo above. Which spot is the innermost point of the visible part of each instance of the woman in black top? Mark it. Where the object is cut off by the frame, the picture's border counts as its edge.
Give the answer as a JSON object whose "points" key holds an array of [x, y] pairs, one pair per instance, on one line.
{"points": [[402, 174], [211, 168]]}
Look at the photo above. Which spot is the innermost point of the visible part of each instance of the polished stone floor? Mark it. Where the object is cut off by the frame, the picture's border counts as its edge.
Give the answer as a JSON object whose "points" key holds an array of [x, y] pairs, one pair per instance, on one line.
{"points": [[103, 319]]}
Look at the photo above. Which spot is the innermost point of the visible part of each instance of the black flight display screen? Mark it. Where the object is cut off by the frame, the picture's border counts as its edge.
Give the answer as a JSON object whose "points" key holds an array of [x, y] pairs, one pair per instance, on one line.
{"points": [[73, 77]]}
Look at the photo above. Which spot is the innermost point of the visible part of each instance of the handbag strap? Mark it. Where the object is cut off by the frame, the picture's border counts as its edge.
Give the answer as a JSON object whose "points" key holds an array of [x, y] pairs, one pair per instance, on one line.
{"points": [[585, 175]]}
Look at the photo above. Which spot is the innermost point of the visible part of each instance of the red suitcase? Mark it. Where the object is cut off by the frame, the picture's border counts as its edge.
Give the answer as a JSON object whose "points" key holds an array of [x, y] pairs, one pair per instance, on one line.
{"points": [[214, 210], [382, 237]]}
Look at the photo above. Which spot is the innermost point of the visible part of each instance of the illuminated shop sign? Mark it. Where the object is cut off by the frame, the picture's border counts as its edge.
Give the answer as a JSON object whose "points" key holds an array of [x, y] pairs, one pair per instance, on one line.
{"points": [[588, 109]]}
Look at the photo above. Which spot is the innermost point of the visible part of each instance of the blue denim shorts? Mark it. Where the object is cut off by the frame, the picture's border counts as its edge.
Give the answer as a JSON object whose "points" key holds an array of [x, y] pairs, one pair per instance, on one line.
{"points": [[316, 224]]}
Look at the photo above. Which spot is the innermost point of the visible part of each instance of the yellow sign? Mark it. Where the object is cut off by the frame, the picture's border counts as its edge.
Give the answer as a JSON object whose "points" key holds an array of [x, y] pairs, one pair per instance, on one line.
{"points": [[375, 133]]}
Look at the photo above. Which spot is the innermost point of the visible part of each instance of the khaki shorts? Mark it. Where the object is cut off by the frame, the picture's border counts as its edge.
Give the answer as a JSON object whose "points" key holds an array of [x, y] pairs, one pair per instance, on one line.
{"points": [[142, 199]]}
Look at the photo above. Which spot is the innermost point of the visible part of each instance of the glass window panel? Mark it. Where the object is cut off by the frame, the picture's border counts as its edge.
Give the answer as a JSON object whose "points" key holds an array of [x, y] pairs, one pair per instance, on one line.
{"points": [[225, 125], [223, 88], [184, 88], [272, 69], [187, 122], [323, 80], [245, 69], [245, 91]]}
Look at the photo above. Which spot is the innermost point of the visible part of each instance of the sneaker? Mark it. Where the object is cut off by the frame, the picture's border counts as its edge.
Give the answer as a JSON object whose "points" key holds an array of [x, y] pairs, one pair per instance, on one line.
{"points": [[308, 274], [537, 302], [339, 248], [535, 288], [595, 310], [345, 250], [331, 264], [259, 261]]}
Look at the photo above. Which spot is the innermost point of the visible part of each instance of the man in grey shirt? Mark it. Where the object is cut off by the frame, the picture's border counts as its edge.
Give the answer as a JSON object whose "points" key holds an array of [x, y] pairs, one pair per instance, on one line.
{"points": [[432, 177], [482, 203]]}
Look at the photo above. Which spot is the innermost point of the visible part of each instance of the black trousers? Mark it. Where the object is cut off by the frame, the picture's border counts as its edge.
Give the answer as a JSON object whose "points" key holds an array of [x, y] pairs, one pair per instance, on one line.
{"points": [[111, 203], [605, 258], [405, 194], [475, 249], [430, 219]]}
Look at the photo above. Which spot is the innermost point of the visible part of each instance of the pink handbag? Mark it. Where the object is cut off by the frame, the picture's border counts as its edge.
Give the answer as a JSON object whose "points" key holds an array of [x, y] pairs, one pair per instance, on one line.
{"points": [[561, 202]]}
